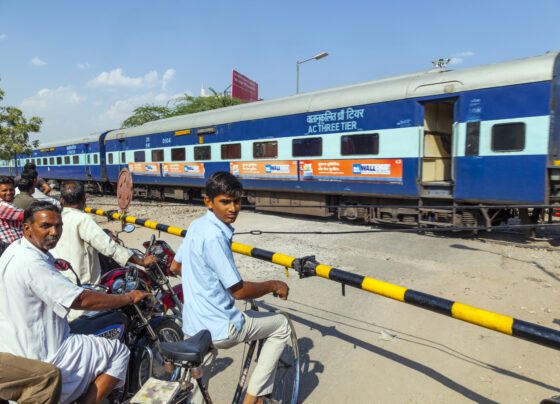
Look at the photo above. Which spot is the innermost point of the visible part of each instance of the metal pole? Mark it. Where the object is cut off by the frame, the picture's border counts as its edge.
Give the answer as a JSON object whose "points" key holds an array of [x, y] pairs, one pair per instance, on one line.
{"points": [[297, 77]]}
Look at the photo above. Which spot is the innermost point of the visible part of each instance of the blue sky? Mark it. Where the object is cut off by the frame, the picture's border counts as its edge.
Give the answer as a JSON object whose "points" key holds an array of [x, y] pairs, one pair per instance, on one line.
{"points": [[83, 66]]}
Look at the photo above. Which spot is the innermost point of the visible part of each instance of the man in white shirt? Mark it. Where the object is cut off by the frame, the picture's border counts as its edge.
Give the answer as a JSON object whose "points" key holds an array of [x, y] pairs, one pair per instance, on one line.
{"points": [[83, 239], [34, 301]]}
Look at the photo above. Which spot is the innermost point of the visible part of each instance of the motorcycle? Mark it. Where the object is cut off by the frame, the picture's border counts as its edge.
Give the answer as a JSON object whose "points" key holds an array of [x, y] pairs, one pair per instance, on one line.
{"points": [[138, 326], [154, 279]]}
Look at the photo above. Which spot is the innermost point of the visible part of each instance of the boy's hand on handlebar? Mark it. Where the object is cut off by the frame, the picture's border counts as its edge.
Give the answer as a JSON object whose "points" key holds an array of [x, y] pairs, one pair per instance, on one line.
{"points": [[138, 295], [281, 290]]}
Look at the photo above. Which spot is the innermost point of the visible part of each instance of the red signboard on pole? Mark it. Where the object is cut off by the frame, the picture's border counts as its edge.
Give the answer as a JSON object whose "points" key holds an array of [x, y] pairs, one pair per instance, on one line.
{"points": [[243, 87]]}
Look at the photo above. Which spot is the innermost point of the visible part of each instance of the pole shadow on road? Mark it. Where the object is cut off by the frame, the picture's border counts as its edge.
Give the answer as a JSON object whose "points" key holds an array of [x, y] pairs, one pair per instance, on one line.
{"points": [[419, 367]]}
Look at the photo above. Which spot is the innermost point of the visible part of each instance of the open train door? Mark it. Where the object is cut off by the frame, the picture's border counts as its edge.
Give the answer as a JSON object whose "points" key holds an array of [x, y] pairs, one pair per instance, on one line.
{"points": [[436, 173]]}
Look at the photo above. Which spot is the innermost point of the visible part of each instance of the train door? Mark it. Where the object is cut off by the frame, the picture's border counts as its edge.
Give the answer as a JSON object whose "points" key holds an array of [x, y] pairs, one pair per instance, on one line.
{"points": [[87, 161], [437, 156]]}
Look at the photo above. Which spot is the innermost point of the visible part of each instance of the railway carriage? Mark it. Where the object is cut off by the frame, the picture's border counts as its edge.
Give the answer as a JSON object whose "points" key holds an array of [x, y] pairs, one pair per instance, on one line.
{"points": [[431, 142]]}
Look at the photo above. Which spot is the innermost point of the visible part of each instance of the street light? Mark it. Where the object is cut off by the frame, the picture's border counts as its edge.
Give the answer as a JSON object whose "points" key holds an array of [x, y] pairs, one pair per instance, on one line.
{"points": [[316, 57]]}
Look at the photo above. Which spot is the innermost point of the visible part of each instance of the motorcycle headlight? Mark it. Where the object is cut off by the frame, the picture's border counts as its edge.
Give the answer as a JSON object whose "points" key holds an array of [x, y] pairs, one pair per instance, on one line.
{"points": [[117, 286]]}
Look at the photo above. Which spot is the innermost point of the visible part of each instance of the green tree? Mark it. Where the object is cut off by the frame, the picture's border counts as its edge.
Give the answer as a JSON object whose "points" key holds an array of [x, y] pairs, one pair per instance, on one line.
{"points": [[14, 132], [186, 104], [189, 104], [147, 113]]}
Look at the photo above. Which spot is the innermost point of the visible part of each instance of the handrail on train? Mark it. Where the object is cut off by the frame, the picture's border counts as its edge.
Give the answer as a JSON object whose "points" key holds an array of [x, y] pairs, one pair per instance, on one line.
{"points": [[308, 266]]}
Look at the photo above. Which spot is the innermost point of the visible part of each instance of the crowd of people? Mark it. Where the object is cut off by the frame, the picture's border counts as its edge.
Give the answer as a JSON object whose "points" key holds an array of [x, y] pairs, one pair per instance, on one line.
{"points": [[41, 361]]}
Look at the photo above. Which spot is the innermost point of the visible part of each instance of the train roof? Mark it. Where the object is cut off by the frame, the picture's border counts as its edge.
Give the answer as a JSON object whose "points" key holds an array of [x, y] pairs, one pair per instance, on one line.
{"points": [[94, 137], [432, 82]]}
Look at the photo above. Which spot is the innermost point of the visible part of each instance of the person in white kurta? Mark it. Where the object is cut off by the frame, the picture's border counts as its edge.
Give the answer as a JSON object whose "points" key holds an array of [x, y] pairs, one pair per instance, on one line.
{"points": [[83, 239], [34, 301]]}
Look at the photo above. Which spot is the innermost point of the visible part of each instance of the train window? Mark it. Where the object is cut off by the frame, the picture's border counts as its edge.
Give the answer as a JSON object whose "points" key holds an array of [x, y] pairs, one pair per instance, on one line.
{"points": [[178, 154], [59, 161], [38, 162], [88, 159], [263, 150], [76, 160], [508, 137], [359, 144], [307, 147], [52, 161], [110, 157], [157, 155], [66, 159], [231, 151], [95, 160], [139, 156], [123, 157], [473, 138], [45, 161], [202, 153]]}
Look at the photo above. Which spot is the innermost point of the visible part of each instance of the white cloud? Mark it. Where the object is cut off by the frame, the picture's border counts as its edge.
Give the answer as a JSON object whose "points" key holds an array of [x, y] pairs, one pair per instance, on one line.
{"points": [[3, 36], [37, 61], [167, 77], [459, 57], [122, 109], [52, 99], [116, 78], [83, 66]]}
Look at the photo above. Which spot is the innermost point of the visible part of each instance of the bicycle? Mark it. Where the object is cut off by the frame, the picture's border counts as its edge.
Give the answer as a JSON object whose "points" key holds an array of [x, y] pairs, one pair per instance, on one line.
{"points": [[186, 357]]}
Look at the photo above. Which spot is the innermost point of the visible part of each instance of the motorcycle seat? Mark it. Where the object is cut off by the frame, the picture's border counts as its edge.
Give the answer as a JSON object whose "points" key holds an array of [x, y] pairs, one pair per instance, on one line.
{"points": [[190, 350]]}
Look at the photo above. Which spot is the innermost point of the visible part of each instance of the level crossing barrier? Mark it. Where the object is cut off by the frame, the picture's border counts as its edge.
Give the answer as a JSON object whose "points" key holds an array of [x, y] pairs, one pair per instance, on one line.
{"points": [[308, 266]]}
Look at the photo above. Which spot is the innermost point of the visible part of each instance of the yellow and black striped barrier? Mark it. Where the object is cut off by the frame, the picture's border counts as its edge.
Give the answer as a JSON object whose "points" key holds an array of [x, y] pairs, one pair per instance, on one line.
{"points": [[306, 267]]}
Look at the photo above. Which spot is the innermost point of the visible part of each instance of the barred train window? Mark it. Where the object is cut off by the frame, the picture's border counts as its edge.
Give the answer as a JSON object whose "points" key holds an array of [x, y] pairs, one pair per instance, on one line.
{"points": [[231, 151], [76, 159], [52, 161], [157, 155], [110, 158], [95, 159], [45, 161], [123, 157], [38, 162], [178, 154], [263, 150], [359, 144], [139, 156], [508, 137], [59, 161], [202, 153], [473, 138], [307, 147]]}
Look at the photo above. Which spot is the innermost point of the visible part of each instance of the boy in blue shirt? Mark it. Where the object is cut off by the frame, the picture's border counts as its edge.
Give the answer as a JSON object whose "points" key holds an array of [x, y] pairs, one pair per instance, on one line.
{"points": [[212, 283]]}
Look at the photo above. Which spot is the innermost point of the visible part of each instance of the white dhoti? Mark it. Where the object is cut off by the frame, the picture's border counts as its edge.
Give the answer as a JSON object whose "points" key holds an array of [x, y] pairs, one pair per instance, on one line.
{"points": [[82, 358]]}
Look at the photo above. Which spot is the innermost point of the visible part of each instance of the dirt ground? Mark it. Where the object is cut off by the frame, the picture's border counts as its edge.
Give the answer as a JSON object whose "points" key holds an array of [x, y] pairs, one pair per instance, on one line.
{"points": [[364, 348]]}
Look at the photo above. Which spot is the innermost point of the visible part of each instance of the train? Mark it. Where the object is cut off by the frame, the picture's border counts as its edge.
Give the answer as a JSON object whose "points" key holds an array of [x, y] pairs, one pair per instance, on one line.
{"points": [[444, 147]]}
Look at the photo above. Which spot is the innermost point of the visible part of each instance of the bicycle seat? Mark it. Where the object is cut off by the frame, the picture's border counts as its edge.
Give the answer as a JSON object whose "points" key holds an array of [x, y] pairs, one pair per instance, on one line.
{"points": [[190, 350]]}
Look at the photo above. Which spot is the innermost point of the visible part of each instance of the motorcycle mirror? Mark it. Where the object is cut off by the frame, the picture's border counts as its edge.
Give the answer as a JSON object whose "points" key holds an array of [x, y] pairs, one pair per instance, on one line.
{"points": [[63, 265], [129, 228]]}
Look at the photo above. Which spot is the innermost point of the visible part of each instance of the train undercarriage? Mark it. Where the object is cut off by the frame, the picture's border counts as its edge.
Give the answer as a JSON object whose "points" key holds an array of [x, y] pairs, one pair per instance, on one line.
{"points": [[422, 212]]}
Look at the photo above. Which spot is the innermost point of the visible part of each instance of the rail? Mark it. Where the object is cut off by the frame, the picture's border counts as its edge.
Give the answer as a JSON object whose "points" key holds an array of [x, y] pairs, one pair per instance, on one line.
{"points": [[307, 266]]}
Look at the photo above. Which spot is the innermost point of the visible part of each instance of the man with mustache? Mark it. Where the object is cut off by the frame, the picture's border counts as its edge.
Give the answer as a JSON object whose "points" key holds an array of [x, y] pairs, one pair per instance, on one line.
{"points": [[34, 302]]}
